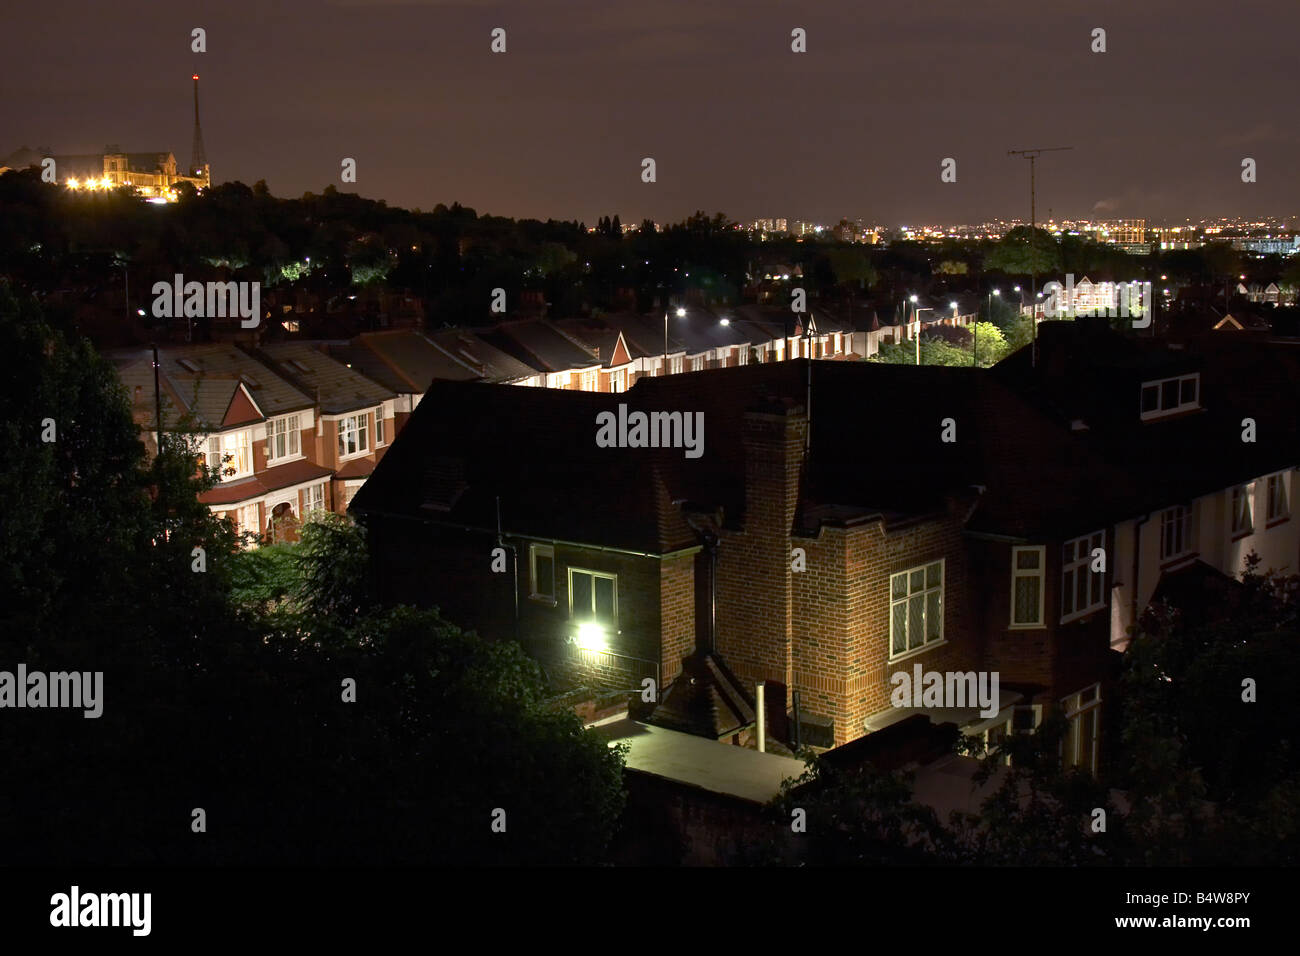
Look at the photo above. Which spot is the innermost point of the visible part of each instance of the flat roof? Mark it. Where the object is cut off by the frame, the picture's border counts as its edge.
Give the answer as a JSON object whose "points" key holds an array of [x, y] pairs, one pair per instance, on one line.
{"points": [[707, 764]]}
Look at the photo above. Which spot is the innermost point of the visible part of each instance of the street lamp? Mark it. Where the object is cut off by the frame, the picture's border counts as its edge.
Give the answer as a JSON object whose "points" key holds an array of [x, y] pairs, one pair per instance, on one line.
{"points": [[1022, 298], [918, 330], [975, 347]]}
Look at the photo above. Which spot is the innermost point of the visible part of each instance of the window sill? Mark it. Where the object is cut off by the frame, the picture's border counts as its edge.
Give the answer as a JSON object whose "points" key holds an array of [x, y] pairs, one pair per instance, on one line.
{"points": [[286, 460], [1239, 535], [1177, 559], [354, 455], [1027, 627], [1081, 615], [1276, 522], [907, 655], [542, 599]]}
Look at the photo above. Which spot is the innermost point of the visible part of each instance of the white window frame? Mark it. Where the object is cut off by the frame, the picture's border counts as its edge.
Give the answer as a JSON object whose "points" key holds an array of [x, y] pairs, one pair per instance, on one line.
{"points": [[350, 489], [1242, 510], [249, 518], [1161, 410], [1039, 572], [1072, 565], [905, 599], [1169, 518], [313, 499], [379, 427], [1277, 505], [1008, 727], [286, 428], [535, 551], [1074, 707], [571, 571], [357, 425], [242, 440]]}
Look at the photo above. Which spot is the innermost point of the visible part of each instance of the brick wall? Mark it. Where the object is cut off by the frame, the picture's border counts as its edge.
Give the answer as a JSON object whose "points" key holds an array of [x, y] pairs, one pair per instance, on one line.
{"points": [[841, 616], [754, 577], [676, 613]]}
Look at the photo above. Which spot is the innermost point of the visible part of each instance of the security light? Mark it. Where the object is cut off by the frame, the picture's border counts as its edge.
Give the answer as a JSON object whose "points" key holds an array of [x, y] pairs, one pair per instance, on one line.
{"points": [[591, 636]]}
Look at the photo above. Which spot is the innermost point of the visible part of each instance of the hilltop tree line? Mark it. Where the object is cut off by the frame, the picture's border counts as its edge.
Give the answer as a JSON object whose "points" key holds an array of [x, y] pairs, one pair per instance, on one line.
{"points": [[335, 243]]}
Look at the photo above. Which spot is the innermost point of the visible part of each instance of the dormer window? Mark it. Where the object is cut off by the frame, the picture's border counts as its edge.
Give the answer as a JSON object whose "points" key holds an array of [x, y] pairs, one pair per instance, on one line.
{"points": [[1169, 396]]}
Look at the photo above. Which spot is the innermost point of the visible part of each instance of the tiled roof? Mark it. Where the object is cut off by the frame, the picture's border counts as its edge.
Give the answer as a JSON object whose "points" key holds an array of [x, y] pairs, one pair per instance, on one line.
{"points": [[272, 393], [246, 489], [541, 345], [1038, 478], [485, 360], [341, 389]]}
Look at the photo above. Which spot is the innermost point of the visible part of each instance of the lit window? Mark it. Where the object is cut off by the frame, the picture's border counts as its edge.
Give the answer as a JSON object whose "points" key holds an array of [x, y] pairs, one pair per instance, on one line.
{"points": [[1083, 714], [1242, 520], [915, 608], [1175, 532], [231, 453], [1082, 588], [1028, 567], [354, 434], [1277, 501], [541, 572], [593, 596]]}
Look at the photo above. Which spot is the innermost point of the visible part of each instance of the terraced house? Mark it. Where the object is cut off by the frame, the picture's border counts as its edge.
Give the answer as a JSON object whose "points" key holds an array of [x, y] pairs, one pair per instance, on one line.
{"points": [[986, 528]]}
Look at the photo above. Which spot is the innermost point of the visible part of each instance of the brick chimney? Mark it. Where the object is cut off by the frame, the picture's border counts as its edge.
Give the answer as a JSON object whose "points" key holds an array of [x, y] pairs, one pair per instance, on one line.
{"points": [[754, 584]]}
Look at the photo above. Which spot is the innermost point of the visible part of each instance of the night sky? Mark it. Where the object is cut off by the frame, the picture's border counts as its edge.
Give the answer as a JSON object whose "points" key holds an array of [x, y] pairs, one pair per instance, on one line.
{"points": [[557, 126]]}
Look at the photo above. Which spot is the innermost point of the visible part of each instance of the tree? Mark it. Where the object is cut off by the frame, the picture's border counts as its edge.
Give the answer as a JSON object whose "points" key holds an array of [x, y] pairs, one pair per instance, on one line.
{"points": [[934, 351], [991, 343], [850, 266], [1012, 254]]}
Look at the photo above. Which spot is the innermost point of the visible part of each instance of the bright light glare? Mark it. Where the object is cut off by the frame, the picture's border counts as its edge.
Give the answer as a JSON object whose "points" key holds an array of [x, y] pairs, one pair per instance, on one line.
{"points": [[591, 636]]}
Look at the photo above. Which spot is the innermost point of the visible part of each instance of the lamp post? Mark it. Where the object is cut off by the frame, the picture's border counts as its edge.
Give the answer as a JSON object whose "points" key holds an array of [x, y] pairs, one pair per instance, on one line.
{"points": [[912, 299], [975, 347], [918, 331], [1022, 298]]}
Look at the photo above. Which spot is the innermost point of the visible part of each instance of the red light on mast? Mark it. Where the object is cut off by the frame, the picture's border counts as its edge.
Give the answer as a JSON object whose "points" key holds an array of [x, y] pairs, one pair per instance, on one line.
{"points": [[194, 77]]}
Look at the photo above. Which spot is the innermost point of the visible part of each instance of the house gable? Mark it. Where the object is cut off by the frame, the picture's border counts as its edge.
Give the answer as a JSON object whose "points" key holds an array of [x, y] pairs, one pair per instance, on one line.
{"points": [[242, 409]]}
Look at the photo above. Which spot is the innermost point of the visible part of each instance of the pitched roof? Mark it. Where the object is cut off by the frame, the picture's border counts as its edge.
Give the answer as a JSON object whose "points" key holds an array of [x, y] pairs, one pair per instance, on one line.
{"points": [[485, 360], [541, 345], [341, 389], [223, 362], [273, 479], [1088, 373], [1038, 478]]}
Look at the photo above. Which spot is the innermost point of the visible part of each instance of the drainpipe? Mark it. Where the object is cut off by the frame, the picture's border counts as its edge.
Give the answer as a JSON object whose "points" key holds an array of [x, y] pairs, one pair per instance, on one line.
{"points": [[1137, 550], [759, 688], [514, 564], [711, 542], [798, 741]]}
